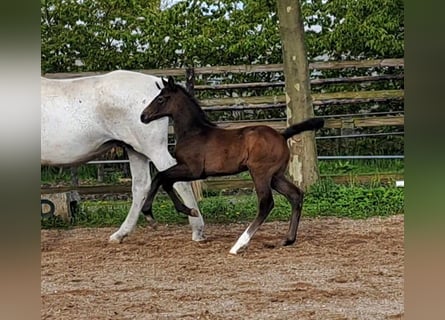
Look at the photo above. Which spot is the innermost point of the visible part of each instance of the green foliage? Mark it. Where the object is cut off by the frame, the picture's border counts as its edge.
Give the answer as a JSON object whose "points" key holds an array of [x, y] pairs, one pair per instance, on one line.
{"points": [[104, 35], [49, 174], [137, 34], [87, 174], [352, 29], [329, 199], [54, 222], [382, 145], [324, 199]]}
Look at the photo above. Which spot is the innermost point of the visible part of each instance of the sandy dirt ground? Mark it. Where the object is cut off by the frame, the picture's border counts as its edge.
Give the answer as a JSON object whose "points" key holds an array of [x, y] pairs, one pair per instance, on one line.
{"points": [[339, 269]]}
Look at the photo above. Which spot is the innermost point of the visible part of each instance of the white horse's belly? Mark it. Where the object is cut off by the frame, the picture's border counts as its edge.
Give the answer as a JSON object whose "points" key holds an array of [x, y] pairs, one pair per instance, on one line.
{"points": [[68, 138], [58, 154]]}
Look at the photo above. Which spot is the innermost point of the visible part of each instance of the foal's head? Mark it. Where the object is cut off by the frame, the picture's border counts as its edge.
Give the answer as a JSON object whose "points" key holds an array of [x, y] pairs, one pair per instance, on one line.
{"points": [[174, 101], [162, 105]]}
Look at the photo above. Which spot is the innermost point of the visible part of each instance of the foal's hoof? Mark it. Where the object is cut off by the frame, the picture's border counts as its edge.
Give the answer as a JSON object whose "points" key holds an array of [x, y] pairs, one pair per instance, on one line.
{"points": [[152, 223], [288, 242], [269, 245], [194, 212], [234, 250]]}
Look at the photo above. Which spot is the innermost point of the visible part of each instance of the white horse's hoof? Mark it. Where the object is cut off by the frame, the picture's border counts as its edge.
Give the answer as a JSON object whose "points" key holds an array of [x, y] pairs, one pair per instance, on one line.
{"points": [[116, 238], [198, 236]]}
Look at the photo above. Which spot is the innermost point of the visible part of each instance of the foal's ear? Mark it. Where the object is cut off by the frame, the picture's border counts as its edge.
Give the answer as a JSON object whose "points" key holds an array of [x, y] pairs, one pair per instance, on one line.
{"points": [[158, 85], [171, 83], [164, 83]]}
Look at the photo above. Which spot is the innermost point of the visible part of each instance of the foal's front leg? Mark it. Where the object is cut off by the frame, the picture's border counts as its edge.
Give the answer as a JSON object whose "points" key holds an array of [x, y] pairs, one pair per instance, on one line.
{"points": [[167, 178], [179, 206], [265, 205], [148, 203]]}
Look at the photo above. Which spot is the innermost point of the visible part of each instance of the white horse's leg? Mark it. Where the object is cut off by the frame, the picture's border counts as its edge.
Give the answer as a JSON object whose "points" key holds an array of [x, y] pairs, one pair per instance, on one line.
{"points": [[141, 181], [185, 191], [162, 161]]}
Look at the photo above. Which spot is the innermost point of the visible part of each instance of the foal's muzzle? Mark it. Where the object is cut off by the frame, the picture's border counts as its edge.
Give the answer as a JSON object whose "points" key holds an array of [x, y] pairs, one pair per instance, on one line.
{"points": [[144, 118]]}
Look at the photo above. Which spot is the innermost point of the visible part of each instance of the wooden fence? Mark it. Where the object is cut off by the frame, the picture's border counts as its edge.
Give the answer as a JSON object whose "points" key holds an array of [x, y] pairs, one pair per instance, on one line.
{"points": [[278, 101], [321, 99]]}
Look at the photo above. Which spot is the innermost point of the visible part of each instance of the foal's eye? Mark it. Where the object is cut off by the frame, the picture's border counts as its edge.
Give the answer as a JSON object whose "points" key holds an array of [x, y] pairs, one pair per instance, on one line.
{"points": [[161, 99]]}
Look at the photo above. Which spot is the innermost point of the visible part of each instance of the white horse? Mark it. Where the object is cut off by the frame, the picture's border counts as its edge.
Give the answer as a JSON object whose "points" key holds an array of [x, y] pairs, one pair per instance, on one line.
{"points": [[82, 118]]}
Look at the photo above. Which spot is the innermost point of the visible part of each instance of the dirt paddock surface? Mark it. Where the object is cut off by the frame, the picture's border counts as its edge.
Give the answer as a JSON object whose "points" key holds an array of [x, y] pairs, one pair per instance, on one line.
{"points": [[339, 269]]}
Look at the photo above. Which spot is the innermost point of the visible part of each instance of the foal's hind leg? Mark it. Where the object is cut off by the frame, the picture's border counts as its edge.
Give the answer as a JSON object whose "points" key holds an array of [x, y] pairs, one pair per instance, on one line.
{"points": [[295, 196], [265, 205]]}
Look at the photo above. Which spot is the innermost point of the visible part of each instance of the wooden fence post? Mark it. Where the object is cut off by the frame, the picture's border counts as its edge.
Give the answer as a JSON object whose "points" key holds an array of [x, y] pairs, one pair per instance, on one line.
{"points": [[190, 85], [190, 80], [303, 167]]}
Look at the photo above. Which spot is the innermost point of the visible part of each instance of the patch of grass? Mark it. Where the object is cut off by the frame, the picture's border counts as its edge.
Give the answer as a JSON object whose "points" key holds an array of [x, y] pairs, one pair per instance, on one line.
{"points": [[357, 201], [54, 222], [324, 199]]}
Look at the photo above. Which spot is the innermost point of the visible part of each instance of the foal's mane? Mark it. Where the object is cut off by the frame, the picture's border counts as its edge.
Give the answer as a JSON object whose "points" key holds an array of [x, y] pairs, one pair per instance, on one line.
{"points": [[198, 112]]}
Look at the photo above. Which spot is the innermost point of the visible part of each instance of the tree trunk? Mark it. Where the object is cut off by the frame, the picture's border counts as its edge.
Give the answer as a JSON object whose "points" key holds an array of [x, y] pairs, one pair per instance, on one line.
{"points": [[303, 166]]}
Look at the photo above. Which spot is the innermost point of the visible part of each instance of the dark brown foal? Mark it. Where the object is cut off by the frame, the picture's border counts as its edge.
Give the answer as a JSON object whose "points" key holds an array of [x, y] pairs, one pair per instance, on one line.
{"points": [[203, 150]]}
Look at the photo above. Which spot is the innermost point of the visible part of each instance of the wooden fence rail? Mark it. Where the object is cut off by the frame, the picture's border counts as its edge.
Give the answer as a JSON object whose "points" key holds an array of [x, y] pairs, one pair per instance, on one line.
{"points": [[318, 98], [329, 123], [254, 68], [254, 85]]}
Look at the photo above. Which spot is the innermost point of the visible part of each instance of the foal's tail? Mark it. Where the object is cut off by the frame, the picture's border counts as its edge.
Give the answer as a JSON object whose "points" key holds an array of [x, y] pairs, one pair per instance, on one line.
{"points": [[306, 125]]}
